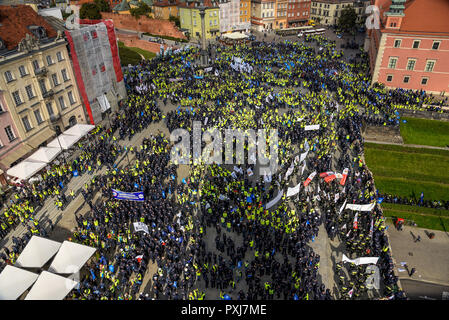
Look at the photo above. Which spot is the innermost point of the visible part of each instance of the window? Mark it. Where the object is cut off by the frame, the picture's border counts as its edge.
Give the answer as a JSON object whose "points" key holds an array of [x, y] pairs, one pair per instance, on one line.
{"points": [[54, 78], [10, 133], [1, 144], [411, 64], [30, 92], [49, 60], [35, 65], [8, 76], [397, 43], [416, 44], [17, 99], [64, 75], [26, 123], [42, 86], [392, 62], [429, 66], [406, 79], [50, 109], [62, 102], [424, 81], [37, 114], [389, 78], [59, 56], [23, 71], [436, 45]]}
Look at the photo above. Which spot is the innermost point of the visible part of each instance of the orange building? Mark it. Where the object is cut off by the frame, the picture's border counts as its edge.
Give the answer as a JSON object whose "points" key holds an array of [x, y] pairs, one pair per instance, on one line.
{"points": [[410, 49], [245, 13]]}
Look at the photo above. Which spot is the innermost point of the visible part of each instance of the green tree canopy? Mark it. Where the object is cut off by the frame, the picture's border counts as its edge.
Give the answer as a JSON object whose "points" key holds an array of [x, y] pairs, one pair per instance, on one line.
{"points": [[175, 20], [90, 11], [347, 20], [103, 5], [142, 10]]}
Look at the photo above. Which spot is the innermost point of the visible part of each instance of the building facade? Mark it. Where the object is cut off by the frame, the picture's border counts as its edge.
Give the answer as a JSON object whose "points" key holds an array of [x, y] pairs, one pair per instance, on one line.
{"points": [[165, 8], [40, 94], [245, 15], [298, 12], [410, 50], [327, 12], [263, 15], [189, 14], [281, 14]]}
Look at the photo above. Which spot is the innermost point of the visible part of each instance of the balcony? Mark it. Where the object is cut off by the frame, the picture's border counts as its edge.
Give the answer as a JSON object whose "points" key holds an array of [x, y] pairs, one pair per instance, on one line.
{"points": [[40, 71], [48, 94]]}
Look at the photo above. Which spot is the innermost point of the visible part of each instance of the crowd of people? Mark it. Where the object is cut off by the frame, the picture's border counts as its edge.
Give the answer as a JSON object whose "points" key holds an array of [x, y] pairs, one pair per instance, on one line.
{"points": [[210, 234]]}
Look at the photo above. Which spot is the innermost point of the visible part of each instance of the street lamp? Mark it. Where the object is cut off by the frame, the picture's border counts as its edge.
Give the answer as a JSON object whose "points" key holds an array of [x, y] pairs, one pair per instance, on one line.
{"points": [[51, 123]]}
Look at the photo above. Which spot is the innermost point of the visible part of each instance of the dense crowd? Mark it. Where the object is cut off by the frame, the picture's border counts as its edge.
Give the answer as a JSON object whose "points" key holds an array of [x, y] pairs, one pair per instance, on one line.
{"points": [[210, 234]]}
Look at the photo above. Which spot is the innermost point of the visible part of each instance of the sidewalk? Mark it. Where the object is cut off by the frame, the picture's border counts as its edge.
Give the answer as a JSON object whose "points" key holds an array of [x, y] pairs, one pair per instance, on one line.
{"points": [[430, 257]]}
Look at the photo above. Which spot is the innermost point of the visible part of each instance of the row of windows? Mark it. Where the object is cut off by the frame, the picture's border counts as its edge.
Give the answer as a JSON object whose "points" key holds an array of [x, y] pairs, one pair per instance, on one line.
{"points": [[416, 44], [291, 15], [299, 6], [411, 63], [267, 15], [406, 79], [16, 95], [37, 112], [9, 75], [268, 5]]}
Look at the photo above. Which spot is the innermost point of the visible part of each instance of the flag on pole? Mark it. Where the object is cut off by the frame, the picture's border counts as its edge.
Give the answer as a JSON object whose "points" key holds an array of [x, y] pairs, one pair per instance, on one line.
{"points": [[355, 224]]}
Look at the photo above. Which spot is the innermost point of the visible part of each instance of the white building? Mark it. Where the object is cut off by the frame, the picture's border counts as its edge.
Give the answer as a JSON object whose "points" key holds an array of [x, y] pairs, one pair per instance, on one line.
{"points": [[230, 16]]}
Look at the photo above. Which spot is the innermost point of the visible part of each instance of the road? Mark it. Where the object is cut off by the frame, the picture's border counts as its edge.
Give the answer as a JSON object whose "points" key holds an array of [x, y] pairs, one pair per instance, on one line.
{"points": [[419, 290]]}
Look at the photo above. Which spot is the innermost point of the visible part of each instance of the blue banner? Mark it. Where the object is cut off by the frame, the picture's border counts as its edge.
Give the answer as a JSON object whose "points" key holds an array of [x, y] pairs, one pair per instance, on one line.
{"points": [[132, 196]]}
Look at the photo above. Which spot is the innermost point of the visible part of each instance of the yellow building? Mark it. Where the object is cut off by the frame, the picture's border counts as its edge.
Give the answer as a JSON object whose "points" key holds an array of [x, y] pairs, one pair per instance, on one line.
{"points": [[38, 83], [189, 15], [165, 8]]}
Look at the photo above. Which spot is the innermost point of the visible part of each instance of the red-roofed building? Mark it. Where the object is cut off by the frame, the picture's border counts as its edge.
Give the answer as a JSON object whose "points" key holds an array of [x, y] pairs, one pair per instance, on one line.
{"points": [[411, 47], [39, 96]]}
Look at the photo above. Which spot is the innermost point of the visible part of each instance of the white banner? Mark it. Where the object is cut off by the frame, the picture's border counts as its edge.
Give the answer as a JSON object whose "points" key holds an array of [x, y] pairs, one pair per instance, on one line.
{"points": [[363, 260], [267, 178], [140, 226], [289, 171], [342, 207], [249, 172], [361, 207], [312, 127], [294, 190], [208, 69], [275, 200], [303, 156]]}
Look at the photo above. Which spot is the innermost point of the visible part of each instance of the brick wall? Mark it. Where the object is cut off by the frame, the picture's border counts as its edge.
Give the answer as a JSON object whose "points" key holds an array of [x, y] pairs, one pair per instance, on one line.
{"points": [[144, 24], [133, 41]]}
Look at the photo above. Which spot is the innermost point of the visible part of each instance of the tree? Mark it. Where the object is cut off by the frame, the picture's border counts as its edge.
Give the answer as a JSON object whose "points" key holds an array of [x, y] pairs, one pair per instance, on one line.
{"points": [[175, 20], [142, 10], [103, 5], [347, 20], [90, 11]]}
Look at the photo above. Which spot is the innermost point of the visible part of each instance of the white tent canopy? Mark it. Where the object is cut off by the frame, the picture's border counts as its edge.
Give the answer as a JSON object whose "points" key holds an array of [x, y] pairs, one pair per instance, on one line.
{"points": [[71, 256], [25, 169], [235, 36], [65, 140], [79, 129], [50, 286], [45, 154], [15, 281], [37, 252]]}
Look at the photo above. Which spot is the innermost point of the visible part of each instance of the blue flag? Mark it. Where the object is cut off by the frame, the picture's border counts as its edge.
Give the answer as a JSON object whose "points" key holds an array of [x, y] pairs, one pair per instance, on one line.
{"points": [[379, 200], [75, 173]]}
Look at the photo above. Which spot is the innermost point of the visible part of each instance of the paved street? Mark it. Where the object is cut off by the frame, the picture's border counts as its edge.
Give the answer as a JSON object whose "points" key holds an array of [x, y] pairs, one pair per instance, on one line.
{"points": [[430, 257]]}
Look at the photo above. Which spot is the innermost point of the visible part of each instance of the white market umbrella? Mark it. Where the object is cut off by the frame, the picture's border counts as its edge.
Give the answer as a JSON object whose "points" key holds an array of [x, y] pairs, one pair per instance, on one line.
{"points": [[50, 286], [25, 169], [45, 154], [66, 141], [79, 129], [71, 256], [37, 252], [15, 281]]}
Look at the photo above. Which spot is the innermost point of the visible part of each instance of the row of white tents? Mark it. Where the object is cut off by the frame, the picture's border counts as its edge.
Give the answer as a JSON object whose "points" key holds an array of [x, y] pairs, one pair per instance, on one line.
{"points": [[52, 284], [45, 155]]}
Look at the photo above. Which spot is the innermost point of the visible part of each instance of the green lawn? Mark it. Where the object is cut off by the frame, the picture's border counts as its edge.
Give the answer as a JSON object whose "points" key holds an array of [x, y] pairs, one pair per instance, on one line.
{"points": [[405, 171], [131, 55], [425, 132], [428, 218]]}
